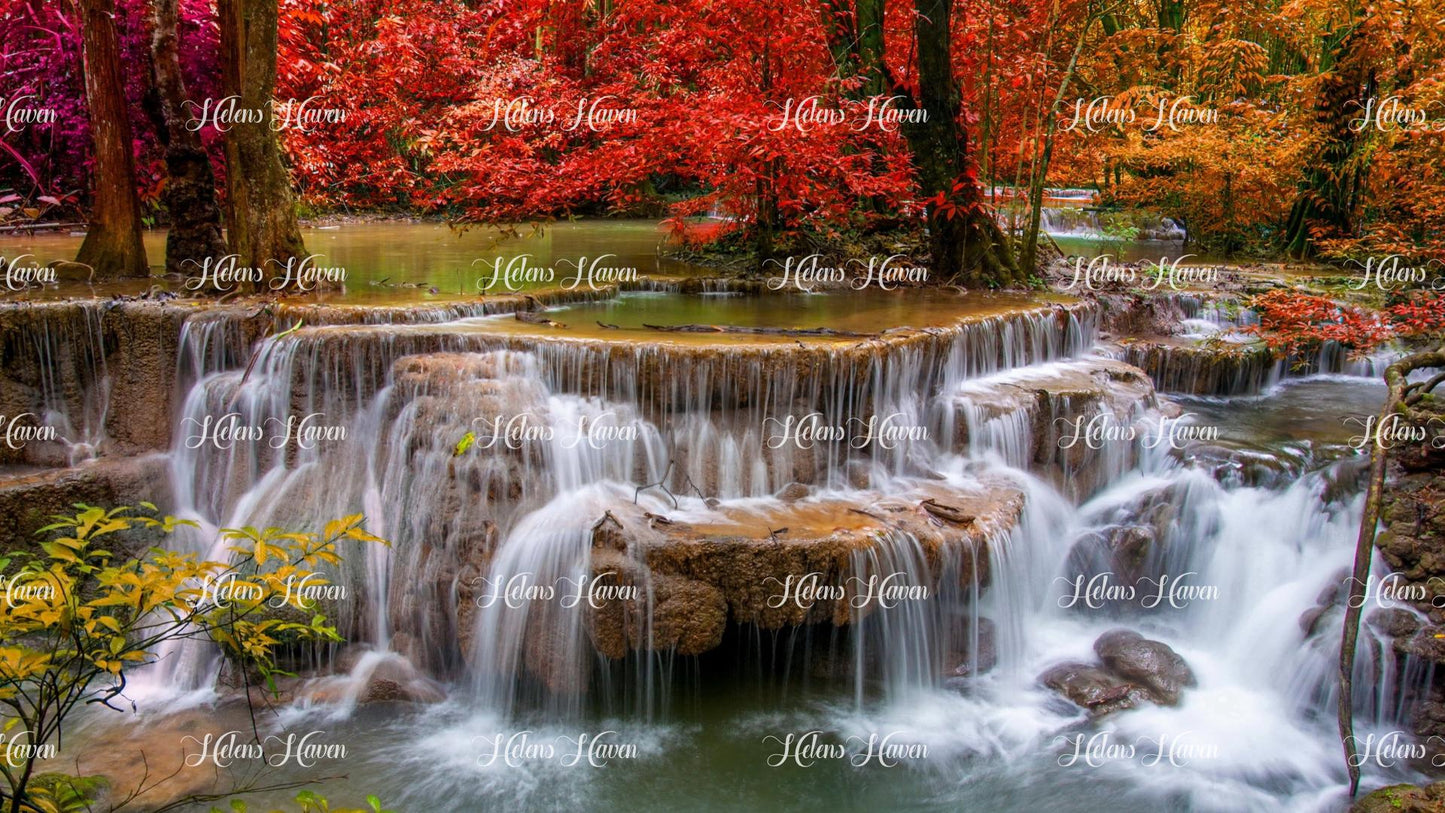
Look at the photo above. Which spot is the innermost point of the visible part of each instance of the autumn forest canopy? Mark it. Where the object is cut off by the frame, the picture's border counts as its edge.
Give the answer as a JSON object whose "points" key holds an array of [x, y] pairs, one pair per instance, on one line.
{"points": [[1268, 128]]}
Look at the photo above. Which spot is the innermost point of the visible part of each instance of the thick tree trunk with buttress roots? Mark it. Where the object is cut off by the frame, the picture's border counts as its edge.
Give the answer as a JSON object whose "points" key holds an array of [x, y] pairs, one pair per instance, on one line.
{"points": [[260, 208], [965, 243], [112, 246]]}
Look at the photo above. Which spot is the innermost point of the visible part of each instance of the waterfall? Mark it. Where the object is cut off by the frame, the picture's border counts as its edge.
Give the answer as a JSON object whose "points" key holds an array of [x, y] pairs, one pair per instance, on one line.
{"points": [[515, 474]]}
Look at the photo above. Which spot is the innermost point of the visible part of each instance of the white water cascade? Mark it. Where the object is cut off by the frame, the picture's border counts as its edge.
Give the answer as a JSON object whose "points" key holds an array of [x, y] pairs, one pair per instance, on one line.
{"points": [[490, 462]]}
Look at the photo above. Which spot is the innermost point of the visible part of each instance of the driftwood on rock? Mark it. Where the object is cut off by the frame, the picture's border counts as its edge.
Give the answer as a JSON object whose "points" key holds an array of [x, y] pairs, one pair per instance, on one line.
{"points": [[947, 513], [533, 318], [654, 520]]}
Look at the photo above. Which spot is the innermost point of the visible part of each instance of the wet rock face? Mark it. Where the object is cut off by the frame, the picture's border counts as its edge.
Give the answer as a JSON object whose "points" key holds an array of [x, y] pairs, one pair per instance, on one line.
{"points": [[1393, 622], [1150, 664], [1203, 370], [1412, 541], [1093, 688], [688, 616], [28, 502], [101, 373], [389, 679], [1043, 408], [811, 562], [1131, 542], [1403, 799], [1125, 314], [1132, 670], [661, 584], [972, 658]]}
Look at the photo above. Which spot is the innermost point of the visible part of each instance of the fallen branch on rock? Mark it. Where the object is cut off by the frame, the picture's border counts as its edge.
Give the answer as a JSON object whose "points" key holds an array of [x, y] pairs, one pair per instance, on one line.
{"points": [[947, 513], [533, 318]]}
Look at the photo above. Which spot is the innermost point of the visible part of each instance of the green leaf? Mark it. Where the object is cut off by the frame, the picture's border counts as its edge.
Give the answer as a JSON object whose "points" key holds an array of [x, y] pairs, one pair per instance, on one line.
{"points": [[464, 444]]}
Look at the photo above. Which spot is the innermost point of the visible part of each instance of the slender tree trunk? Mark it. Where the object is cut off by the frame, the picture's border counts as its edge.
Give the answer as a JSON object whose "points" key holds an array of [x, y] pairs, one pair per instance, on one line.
{"points": [[260, 209], [112, 246], [870, 46], [838, 27], [195, 214], [965, 243], [1029, 250], [767, 220]]}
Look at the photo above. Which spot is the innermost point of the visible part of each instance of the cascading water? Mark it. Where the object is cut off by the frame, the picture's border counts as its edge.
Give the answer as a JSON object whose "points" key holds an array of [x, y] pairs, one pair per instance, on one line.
{"points": [[490, 461]]}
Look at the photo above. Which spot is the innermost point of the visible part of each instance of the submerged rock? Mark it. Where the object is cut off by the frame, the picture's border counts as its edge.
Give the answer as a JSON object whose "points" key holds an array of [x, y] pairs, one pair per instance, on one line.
{"points": [[373, 677], [1151, 664], [1132, 669], [969, 659], [1093, 688]]}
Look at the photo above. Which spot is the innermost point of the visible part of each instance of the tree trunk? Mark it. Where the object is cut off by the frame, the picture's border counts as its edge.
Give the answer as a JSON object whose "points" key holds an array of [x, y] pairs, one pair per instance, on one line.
{"points": [[766, 223], [195, 214], [1332, 180], [260, 209], [112, 246], [965, 243], [767, 219], [1029, 250], [840, 32], [870, 46]]}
